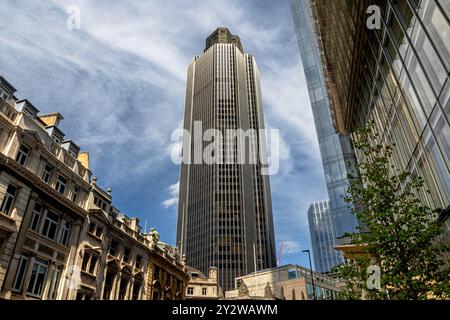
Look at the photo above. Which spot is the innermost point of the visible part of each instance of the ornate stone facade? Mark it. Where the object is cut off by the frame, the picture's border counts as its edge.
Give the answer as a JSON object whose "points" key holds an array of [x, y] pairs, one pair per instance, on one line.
{"points": [[60, 235]]}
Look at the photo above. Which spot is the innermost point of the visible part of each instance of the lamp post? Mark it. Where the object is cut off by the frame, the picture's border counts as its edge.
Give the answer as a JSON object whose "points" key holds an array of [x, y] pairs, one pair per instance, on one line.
{"points": [[312, 275]]}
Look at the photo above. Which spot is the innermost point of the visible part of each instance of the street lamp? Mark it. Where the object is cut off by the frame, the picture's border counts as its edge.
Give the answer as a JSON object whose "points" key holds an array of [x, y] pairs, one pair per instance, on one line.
{"points": [[312, 275]]}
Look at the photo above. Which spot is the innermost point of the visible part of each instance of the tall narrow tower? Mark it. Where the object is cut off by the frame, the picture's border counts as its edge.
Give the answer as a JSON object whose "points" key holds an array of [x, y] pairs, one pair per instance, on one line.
{"points": [[224, 210]]}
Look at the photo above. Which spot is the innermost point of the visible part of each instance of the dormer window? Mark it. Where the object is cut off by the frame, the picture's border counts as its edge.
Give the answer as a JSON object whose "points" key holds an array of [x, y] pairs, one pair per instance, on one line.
{"points": [[56, 139], [72, 148], [28, 112], [56, 134], [4, 94], [27, 108], [72, 153]]}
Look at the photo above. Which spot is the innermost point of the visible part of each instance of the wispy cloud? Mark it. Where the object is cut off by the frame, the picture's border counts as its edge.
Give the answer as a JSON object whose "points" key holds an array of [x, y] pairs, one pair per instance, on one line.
{"points": [[292, 247], [174, 191]]}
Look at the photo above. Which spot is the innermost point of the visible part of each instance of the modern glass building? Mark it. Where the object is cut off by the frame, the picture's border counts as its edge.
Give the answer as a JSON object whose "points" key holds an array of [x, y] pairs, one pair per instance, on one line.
{"points": [[396, 75], [323, 237], [335, 148], [225, 210]]}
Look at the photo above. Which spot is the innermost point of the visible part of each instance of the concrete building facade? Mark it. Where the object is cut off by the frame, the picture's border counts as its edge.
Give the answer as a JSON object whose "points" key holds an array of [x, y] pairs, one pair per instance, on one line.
{"points": [[202, 287], [289, 282], [224, 210], [60, 236]]}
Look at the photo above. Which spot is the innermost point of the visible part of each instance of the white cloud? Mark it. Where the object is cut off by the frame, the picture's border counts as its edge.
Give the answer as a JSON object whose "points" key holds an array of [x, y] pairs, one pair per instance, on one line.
{"points": [[172, 201], [292, 247]]}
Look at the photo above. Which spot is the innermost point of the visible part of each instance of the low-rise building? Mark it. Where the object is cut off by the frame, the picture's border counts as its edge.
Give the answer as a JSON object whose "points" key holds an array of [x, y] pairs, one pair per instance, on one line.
{"points": [[289, 282], [60, 235], [202, 287]]}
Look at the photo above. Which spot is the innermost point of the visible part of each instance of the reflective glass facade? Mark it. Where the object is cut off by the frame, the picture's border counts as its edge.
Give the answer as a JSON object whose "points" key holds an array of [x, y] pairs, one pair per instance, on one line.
{"points": [[397, 76], [323, 237], [335, 148]]}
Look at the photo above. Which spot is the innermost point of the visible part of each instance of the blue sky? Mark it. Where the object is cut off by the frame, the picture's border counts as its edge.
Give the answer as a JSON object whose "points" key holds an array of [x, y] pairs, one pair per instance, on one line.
{"points": [[119, 83]]}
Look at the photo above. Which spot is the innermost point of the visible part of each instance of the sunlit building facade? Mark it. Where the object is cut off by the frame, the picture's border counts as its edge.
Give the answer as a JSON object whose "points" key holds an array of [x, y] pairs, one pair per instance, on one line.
{"points": [[224, 210], [61, 238]]}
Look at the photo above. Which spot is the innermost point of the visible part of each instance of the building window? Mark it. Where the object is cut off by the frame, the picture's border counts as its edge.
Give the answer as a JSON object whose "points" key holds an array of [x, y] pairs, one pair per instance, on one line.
{"points": [[47, 174], [61, 184], [56, 139], [113, 247], [93, 264], [90, 262], [65, 230], [36, 217], [53, 289], [190, 291], [204, 291], [50, 225], [136, 289], [138, 261], [156, 273], [123, 288], [72, 153], [95, 230], [126, 254], [100, 203], [83, 295], [22, 155], [92, 228], [8, 200], [109, 280], [99, 232], [20, 274], [38, 273], [75, 192], [3, 94]]}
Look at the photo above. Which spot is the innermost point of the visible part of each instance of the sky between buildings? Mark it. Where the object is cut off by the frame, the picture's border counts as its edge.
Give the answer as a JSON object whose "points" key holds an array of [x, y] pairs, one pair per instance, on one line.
{"points": [[119, 82]]}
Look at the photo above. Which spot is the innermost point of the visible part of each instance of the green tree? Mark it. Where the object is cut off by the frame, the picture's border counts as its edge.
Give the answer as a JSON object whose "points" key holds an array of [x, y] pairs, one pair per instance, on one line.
{"points": [[400, 233]]}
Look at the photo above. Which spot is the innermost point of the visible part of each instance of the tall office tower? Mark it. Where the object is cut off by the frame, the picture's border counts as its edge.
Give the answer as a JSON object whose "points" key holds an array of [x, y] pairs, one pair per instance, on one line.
{"points": [[224, 210], [323, 236], [391, 66], [335, 148]]}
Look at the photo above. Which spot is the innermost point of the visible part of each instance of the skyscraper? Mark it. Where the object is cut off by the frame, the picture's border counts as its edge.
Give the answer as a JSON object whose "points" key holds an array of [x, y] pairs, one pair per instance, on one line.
{"points": [[224, 210], [335, 148], [323, 236], [389, 62]]}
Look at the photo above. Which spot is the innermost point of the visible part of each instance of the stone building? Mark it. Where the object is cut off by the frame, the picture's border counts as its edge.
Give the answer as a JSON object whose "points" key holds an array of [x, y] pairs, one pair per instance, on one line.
{"points": [[60, 235], [202, 287], [289, 282]]}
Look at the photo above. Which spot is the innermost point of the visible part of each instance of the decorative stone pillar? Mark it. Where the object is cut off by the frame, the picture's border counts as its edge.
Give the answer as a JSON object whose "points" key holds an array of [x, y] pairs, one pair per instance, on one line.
{"points": [[20, 240], [26, 278], [72, 261]]}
